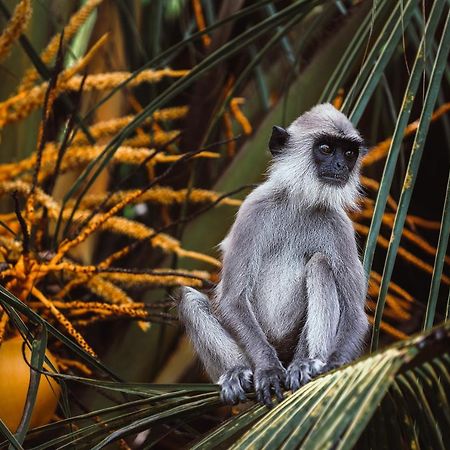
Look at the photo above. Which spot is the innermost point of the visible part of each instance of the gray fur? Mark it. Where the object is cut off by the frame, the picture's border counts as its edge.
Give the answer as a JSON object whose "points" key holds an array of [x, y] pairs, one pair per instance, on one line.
{"points": [[292, 289], [322, 317], [219, 352]]}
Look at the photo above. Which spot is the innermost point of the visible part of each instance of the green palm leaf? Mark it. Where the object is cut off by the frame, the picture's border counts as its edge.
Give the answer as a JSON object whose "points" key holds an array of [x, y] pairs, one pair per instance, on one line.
{"points": [[411, 379]]}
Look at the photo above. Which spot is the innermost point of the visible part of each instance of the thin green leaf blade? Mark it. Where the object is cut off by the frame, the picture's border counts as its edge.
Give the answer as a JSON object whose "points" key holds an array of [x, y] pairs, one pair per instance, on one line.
{"points": [[411, 175]]}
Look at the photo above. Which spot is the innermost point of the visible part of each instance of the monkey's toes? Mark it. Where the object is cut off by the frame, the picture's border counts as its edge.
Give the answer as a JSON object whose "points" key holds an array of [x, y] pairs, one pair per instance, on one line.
{"points": [[300, 372], [268, 382], [235, 383], [232, 394]]}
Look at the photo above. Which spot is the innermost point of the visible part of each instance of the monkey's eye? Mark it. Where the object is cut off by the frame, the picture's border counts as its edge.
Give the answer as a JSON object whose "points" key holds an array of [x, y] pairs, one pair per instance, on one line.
{"points": [[350, 154], [325, 149]]}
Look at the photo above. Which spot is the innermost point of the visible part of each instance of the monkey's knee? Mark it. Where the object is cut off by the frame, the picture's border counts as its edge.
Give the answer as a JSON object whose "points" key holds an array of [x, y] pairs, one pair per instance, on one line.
{"points": [[186, 295], [318, 262], [191, 303], [319, 276]]}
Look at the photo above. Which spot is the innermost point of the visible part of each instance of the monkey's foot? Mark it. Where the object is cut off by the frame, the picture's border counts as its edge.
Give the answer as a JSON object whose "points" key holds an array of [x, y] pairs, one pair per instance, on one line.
{"points": [[301, 371], [267, 382], [235, 383]]}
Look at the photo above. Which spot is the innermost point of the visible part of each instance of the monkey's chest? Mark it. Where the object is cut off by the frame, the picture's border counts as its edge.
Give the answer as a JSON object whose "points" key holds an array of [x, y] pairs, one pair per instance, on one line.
{"points": [[278, 299]]}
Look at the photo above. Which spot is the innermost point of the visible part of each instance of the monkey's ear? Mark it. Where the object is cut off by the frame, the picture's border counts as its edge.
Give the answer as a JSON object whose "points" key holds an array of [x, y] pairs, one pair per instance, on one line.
{"points": [[278, 140], [364, 149]]}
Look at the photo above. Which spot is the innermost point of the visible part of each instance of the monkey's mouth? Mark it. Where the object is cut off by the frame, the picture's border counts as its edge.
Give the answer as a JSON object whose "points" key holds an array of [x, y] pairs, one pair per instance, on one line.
{"points": [[334, 179]]}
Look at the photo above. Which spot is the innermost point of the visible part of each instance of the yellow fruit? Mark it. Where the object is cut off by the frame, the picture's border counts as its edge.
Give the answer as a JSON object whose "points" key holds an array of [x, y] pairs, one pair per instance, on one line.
{"points": [[14, 380]]}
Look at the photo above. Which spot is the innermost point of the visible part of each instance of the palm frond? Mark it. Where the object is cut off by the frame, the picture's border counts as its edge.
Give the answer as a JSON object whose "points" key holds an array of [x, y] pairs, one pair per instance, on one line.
{"points": [[410, 379]]}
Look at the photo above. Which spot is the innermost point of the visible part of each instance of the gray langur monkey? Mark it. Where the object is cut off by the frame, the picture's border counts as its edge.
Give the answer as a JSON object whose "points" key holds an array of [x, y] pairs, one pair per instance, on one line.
{"points": [[292, 289]]}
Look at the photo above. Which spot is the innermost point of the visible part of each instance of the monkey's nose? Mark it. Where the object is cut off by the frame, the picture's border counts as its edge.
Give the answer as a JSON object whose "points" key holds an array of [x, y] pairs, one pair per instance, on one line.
{"points": [[339, 165]]}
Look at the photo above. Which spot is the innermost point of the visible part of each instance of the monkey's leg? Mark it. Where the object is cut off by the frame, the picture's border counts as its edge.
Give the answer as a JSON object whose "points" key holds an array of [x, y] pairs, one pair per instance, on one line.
{"points": [[224, 361], [318, 337], [351, 335]]}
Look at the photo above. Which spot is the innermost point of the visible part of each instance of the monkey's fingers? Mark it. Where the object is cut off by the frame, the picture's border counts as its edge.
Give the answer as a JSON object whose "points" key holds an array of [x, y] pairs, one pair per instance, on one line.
{"points": [[268, 381], [278, 391], [267, 388], [262, 390], [264, 396], [293, 378]]}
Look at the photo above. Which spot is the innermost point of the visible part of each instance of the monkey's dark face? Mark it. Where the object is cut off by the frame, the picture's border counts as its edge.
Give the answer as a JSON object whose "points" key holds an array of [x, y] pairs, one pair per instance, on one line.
{"points": [[335, 159]]}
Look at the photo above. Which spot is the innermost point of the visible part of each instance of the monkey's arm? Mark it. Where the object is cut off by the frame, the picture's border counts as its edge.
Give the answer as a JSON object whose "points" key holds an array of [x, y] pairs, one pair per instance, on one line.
{"points": [[235, 312], [237, 317]]}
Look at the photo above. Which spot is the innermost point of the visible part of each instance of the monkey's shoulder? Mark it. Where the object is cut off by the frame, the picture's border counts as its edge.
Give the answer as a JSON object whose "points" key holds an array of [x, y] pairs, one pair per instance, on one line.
{"points": [[256, 211], [273, 210], [268, 219]]}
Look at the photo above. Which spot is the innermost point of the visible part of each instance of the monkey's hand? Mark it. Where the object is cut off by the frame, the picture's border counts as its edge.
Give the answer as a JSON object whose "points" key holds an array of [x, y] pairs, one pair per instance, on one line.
{"points": [[268, 380], [235, 383], [301, 371]]}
